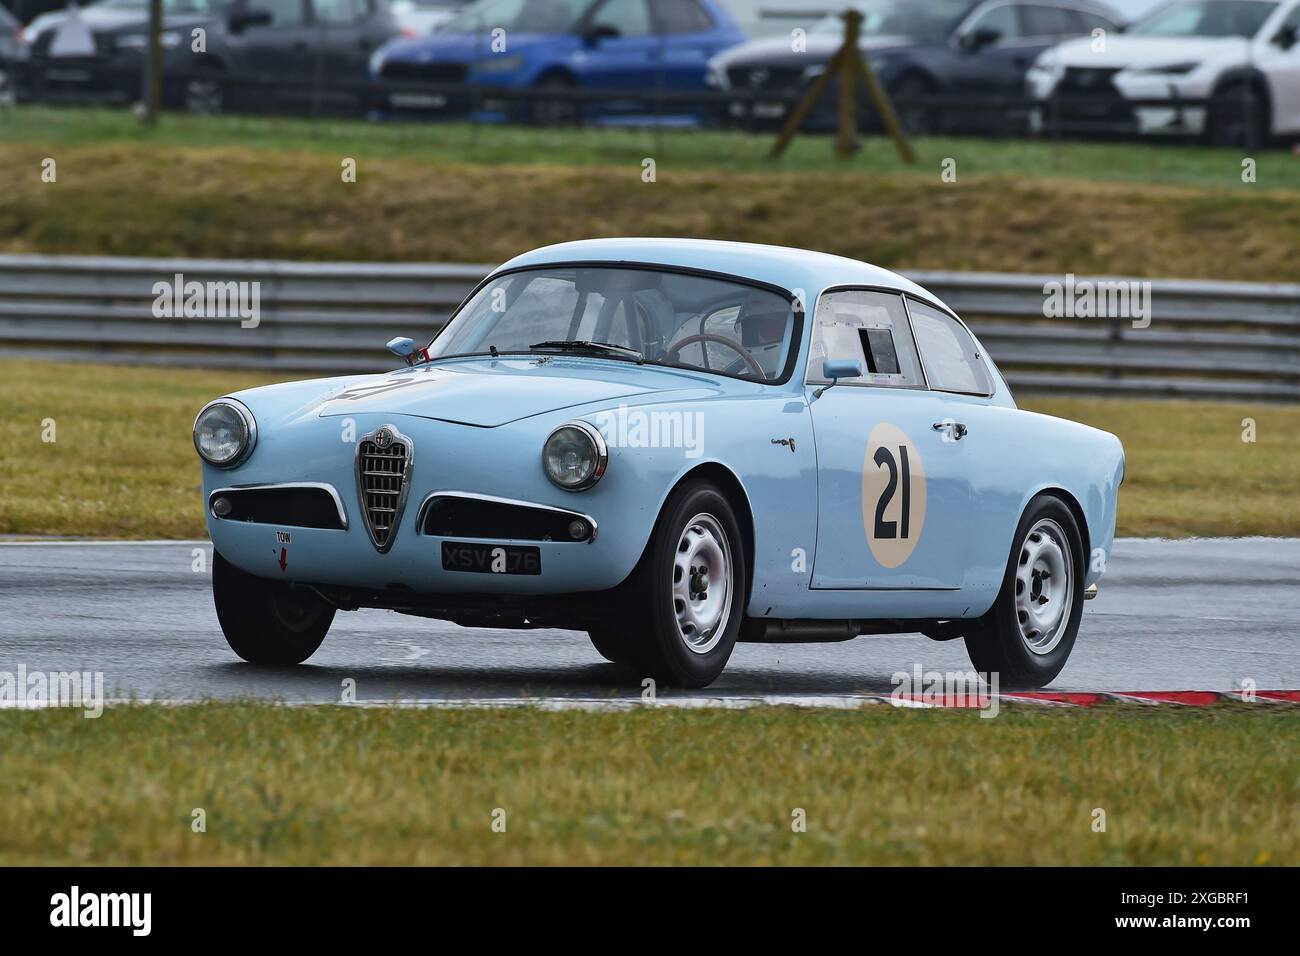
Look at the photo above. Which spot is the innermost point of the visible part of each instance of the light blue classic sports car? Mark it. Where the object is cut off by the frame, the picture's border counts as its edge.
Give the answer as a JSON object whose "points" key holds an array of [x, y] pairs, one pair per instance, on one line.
{"points": [[655, 442]]}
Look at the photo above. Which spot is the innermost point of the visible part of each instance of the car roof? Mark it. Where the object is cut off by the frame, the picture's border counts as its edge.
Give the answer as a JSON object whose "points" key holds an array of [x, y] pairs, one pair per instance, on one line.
{"points": [[795, 270]]}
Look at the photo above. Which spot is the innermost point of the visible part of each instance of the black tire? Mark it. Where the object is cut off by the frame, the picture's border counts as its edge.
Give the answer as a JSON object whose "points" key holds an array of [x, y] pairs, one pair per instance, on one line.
{"points": [[1001, 640], [1238, 117], [559, 111], [652, 628], [267, 622], [918, 119], [611, 643]]}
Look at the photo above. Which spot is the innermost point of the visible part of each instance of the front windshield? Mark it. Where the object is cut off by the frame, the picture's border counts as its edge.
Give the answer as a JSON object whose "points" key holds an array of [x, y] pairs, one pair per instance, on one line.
{"points": [[669, 318], [520, 16], [932, 21], [1205, 18]]}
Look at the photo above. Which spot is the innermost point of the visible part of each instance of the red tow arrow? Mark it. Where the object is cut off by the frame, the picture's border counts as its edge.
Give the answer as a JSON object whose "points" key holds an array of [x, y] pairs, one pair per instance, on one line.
{"points": [[284, 554]]}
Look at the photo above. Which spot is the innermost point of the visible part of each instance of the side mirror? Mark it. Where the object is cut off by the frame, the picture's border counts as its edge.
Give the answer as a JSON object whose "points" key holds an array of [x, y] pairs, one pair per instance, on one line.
{"points": [[976, 40], [600, 32], [242, 18], [836, 369], [402, 347], [1286, 37], [841, 368]]}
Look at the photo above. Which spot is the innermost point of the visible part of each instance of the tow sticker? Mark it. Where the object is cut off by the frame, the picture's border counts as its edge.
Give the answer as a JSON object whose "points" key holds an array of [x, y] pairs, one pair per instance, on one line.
{"points": [[893, 495]]}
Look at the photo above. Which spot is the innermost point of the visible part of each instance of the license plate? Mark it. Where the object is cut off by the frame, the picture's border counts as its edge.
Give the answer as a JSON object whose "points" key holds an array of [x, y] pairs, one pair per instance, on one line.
{"points": [[417, 101], [491, 558]]}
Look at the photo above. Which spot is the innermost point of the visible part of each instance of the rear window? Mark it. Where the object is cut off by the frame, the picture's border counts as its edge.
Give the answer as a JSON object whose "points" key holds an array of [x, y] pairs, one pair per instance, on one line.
{"points": [[948, 353]]}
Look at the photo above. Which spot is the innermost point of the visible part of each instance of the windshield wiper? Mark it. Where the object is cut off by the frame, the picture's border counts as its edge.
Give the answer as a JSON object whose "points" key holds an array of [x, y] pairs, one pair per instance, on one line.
{"points": [[579, 345]]}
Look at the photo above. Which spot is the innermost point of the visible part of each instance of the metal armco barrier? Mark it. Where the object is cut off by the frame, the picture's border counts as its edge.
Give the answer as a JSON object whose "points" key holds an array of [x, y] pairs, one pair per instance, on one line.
{"points": [[1205, 339]]}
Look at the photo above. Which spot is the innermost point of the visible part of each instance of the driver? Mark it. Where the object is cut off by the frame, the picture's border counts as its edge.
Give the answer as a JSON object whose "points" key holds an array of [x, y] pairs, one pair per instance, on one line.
{"points": [[762, 323]]}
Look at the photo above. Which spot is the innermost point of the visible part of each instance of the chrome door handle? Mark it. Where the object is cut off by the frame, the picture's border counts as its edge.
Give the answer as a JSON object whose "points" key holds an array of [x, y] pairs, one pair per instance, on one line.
{"points": [[956, 431]]}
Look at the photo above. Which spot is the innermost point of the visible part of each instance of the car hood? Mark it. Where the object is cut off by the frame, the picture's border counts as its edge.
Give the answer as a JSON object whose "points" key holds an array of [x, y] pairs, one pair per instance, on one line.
{"points": [[486, 393], [1128, 52], [775, 51]]}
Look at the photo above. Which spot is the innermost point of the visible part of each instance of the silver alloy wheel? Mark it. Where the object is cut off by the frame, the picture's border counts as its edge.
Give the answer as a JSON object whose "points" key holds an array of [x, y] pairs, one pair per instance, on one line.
{"points": [[1044, 586], [702, 594]]}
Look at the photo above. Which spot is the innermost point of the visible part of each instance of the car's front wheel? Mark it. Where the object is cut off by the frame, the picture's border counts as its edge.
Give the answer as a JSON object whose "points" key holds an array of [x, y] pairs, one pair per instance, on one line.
{"points": [[267, 622], [686, 600], [1027, 636]]}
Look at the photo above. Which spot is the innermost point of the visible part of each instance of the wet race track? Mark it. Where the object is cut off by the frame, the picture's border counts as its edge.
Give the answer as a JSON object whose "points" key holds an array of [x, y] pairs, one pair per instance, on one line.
{"points": [[1172, 615]]}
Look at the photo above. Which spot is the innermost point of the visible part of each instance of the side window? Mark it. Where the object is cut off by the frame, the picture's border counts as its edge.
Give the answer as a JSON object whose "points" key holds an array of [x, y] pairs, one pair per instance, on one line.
{"points": [[1002, 18], [952, 363], [1092, 21], [870, 328], [630, 18], [1049, 22], [338, 12], [682, 16], [284, 13]]}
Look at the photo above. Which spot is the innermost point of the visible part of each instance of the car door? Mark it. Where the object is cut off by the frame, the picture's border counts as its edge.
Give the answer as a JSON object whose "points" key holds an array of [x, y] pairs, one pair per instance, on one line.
{"points": [[1279, 60], [621, 51], [986, 432], [689, 39], [988, 43], [276, 51], [891, 490], [347, 32]]}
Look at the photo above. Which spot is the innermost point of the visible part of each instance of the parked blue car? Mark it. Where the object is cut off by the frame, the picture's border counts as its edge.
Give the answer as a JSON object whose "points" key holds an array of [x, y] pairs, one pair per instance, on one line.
{"points": [[652, 441], [631, 47]]}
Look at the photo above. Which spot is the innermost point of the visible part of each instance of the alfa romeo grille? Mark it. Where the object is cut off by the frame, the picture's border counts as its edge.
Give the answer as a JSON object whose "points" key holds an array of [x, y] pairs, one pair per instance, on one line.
{"points": [[383, 460]]}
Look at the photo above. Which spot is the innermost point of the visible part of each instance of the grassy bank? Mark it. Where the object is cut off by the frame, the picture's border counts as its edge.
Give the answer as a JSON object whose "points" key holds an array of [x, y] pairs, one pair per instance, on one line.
{"points": [[879, 786], [259, 188], [123, 464]]}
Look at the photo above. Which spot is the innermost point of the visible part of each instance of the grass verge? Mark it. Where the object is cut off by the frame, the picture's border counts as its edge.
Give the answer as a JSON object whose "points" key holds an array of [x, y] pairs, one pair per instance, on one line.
{"points": [[123, 464], [226, 187], [878, 786]]}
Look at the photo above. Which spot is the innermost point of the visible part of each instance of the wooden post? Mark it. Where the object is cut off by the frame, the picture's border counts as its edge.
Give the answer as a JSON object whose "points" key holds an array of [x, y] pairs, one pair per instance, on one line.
{"points": [[153, 66], [851, 68]]}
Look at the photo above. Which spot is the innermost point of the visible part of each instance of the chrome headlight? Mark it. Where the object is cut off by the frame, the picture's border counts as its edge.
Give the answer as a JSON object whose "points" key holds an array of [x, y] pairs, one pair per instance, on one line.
{"points": [[224, 433], [574, 456]]}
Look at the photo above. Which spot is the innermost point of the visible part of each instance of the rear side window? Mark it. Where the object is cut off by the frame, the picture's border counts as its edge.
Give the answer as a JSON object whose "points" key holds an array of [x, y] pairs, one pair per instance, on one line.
{"points": [[1049, 21], [952, 362], [869, 328], [682, 16]]}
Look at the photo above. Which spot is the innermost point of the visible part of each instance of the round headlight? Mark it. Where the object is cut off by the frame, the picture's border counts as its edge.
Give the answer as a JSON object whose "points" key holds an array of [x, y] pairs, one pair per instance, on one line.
{"points": [[575, 456], [224, 433]]}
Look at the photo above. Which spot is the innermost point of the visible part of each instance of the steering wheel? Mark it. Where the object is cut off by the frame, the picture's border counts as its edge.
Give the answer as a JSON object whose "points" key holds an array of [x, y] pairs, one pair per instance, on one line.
{"points": [[735, 346]]}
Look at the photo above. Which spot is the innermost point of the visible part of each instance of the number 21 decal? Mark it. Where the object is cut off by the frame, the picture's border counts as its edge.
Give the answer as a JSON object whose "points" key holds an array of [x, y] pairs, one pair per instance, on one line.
{"points": [[893, 495]]}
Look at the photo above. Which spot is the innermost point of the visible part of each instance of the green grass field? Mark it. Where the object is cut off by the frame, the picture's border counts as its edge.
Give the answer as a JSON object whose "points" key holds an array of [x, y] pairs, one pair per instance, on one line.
{"points": [[230, 187], [123, 464], [877, 786]]}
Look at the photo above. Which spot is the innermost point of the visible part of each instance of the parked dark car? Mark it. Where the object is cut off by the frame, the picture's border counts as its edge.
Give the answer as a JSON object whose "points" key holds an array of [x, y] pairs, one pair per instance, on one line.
{"points": [[625, 47], [260, 54], [922, 53], [11, 48]]}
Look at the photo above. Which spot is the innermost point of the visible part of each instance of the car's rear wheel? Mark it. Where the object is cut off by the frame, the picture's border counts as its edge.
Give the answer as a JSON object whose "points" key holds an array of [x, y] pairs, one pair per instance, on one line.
{"points": [[1027, 636], [1238, 117], [914, 112], [686, 600], [555, 110], [267, 622]]}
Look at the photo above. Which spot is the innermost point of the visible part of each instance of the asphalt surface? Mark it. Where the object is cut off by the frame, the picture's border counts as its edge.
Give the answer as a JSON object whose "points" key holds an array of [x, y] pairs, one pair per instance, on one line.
{"points": [[1172, 615]]}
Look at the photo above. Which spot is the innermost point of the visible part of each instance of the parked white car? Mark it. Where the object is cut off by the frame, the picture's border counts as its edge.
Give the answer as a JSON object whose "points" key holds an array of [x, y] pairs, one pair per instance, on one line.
{"points": [[1239, 58]]}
